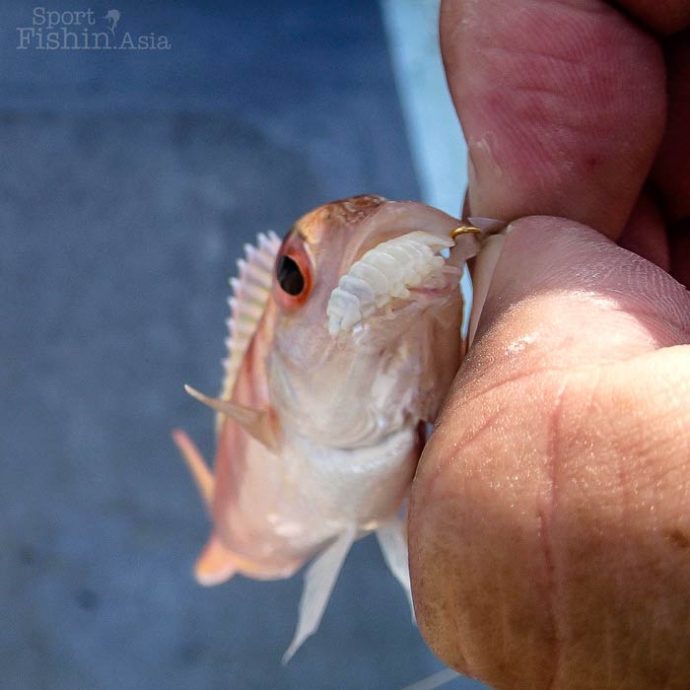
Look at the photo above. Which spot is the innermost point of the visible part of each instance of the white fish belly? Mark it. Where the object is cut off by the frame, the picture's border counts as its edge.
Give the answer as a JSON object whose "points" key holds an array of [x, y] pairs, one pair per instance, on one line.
{"points": [[289, 505]]}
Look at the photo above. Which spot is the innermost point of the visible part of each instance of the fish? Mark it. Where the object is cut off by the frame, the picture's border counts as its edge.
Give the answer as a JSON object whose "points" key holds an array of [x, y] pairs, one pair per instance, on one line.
{"points": [[343, 340]]}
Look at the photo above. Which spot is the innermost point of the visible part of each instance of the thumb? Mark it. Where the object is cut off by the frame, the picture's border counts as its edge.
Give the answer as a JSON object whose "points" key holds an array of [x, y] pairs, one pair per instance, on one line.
{"points": [[550, 520]]}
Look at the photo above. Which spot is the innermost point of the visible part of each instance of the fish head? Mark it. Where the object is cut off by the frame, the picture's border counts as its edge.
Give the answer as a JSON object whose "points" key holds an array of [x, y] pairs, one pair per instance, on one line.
{"points": [[366, 298], [383, 255]]}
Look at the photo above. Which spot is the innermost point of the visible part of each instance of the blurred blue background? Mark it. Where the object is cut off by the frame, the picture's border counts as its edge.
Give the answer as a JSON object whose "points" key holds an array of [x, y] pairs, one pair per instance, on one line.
{"points": [[129, 182]]}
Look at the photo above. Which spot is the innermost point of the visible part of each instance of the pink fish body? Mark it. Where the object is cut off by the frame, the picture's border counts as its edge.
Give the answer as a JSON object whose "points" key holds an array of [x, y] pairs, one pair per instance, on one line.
{"points": [[343, 341]]}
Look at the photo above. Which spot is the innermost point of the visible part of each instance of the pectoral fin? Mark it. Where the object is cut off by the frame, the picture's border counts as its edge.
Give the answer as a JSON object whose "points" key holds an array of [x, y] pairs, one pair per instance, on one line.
{"points": [[257, 423], [319, 581]]}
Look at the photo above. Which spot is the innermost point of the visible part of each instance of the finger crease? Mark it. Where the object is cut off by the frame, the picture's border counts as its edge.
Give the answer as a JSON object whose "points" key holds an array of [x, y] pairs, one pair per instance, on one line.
{"points": [[546, 516]]}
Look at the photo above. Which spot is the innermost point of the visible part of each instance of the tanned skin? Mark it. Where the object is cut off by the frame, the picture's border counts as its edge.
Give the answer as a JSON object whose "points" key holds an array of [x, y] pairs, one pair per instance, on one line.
{"points": [[550, 517]]}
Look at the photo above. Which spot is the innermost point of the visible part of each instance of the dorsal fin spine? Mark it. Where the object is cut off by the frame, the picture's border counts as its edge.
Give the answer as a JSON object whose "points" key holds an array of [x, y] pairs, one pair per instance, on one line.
{"points": [[250, 292]]}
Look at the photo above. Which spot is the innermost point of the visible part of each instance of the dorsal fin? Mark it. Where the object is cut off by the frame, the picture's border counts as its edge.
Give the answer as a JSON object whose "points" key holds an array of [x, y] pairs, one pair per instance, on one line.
{"points": [[250, 292]]}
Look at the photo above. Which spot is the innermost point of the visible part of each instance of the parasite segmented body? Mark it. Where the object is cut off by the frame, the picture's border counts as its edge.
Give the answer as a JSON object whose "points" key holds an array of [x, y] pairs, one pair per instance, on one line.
{"points": [[343, 341], [385, 273]]}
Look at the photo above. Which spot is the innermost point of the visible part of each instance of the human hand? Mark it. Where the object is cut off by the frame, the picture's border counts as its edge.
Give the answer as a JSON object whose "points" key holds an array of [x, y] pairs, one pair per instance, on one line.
{"points": [[550, 518]]}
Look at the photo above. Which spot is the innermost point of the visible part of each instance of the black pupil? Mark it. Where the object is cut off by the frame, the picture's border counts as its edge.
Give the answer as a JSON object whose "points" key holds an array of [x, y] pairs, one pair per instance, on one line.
{"points": [[289, 276]]}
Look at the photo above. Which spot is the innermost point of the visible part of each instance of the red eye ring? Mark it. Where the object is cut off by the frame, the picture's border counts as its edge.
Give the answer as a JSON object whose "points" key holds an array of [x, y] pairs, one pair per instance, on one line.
{"points": [[289, 276], [292, 274]]}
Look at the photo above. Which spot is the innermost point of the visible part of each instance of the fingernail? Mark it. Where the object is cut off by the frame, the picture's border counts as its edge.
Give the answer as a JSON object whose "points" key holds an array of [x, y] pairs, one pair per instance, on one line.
{"points": [[484, 268]]}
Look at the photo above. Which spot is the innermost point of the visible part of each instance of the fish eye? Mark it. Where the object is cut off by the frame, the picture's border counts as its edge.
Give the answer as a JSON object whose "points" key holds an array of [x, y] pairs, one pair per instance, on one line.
{"points": [[289, 276]]}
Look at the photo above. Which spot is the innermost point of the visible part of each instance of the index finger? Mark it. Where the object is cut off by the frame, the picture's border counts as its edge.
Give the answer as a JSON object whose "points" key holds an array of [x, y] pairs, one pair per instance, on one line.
{"points": [[562, 104]]}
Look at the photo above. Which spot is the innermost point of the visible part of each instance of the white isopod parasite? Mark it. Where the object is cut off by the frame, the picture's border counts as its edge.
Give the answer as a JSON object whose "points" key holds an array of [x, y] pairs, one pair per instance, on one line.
{"points": [[385, 273]]}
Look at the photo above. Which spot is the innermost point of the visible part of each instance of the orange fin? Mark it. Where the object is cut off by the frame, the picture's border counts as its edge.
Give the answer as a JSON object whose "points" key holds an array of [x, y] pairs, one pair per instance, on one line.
{"points": [[216, 564], [197, 466], [257, 423]]}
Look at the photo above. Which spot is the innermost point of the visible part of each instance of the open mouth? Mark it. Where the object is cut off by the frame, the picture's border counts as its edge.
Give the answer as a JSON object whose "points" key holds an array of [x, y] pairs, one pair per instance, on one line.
{"points": [[404, 269]]}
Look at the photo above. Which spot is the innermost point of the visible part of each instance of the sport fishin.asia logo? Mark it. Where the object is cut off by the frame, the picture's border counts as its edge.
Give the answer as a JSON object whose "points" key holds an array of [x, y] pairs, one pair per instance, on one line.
{"points": [[83, 30]]}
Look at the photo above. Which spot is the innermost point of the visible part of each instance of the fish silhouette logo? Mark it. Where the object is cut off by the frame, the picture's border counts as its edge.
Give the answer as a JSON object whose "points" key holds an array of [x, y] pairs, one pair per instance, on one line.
{"points": [[113, 19]]}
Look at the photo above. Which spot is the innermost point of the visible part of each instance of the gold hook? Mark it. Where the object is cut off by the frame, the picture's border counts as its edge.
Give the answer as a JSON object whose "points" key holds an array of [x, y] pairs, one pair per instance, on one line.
{"points": [[464, 230]]}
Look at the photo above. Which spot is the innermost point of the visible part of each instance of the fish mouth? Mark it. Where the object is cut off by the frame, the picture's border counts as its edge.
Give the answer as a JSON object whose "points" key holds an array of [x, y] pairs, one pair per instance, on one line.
{"points": [[408, 270]]}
